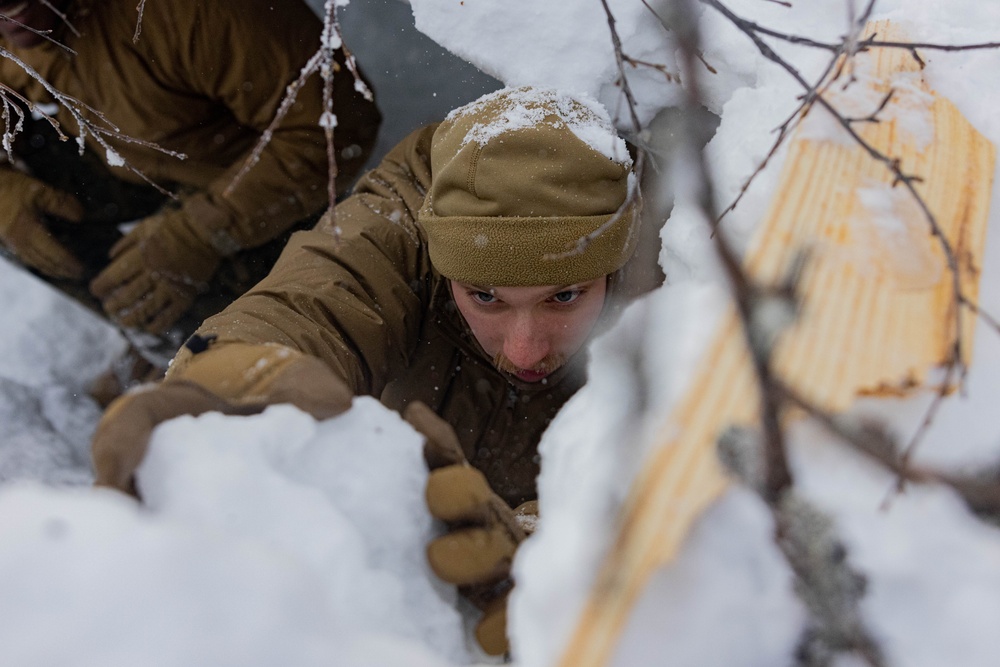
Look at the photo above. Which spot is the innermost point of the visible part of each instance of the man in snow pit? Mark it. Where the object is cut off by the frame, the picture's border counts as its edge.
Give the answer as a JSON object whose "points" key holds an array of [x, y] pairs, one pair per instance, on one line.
{"points": [[202, 79], [466, 273]]}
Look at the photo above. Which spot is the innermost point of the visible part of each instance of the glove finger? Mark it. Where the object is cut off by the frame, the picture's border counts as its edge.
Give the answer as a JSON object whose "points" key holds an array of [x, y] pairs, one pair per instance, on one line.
{"points": [[44, 253], [161, 321], [310, 385], [472, 555], [458, 493], [143, 310], [441, 447], [123, 300], [491, 631], [59, 204], [131, 240], [122, 436], [121, 270], [167, 308]]}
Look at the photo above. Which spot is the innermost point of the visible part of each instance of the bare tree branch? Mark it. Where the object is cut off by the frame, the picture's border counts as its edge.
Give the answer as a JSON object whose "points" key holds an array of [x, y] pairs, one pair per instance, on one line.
{"points": [[138, 22], [100, 130], [44, 34], [324, 62]]}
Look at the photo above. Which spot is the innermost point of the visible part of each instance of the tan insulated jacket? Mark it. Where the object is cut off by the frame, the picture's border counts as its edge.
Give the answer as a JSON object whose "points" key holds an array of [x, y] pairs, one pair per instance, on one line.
{"points": [[205, 79], [371, 305]]}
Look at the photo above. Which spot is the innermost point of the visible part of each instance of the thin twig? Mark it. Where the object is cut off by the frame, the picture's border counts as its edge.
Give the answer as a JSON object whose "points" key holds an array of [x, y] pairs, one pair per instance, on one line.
{"points": [[44, 34], [746, 295], [76, 109], [140, 8], [633, 201]]}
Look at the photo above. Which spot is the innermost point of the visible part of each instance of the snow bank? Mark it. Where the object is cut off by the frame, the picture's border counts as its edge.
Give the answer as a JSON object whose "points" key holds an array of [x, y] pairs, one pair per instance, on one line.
{"points": [[276, 540], [51, 350], [265, 540], [48, 339], [563, 45], [932, 568]]}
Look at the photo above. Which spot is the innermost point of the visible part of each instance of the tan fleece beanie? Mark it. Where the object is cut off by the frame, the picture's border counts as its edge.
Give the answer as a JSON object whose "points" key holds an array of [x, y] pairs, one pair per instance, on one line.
{"points": [[522, 181]]}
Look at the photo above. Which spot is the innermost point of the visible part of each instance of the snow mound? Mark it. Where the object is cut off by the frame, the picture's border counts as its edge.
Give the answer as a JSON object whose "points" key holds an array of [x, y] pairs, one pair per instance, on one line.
{"points": [[265, 540], [45, 434], [563, 45], [49, 339]]}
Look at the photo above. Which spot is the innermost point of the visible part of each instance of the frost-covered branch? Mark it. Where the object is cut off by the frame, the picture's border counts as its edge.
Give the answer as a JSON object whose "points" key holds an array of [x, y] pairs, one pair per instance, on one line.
{"points": [[752, 300], [980, 491], [138, 22], [100, 130], [323, 62], [632, 203], [824, 579], [44, 34]]}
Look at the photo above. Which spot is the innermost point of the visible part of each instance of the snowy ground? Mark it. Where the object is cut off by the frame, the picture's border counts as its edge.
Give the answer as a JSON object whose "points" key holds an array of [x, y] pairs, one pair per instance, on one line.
{"points": [[276, 540]]}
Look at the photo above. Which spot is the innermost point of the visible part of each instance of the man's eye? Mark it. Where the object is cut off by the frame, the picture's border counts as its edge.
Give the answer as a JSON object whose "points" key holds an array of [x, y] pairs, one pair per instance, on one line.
{"points": [[568, 296], [483, 297]]}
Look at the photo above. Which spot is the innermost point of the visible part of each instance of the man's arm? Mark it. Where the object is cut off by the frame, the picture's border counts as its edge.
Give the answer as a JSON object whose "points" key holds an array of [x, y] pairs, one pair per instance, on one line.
{"points": [[336, 317], [354, 290]]}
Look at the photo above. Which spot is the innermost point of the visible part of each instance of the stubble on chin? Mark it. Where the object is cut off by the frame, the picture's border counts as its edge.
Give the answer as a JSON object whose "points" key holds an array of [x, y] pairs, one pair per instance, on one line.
{"points": [[549, 364]]}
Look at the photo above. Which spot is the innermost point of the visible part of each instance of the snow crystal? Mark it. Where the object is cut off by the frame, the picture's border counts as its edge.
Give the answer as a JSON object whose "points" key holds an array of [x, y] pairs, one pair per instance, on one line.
{"points": [[328, 120], [113, 158]]}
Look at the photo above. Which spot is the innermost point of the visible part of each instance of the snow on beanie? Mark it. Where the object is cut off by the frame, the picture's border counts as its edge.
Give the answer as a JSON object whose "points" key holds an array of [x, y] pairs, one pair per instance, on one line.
{"points": [[520, 178]]}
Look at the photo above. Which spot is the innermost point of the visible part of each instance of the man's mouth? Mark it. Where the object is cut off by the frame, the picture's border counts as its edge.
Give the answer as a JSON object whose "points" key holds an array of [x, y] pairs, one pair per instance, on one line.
{"points": [[541, 370], [531, 376]]}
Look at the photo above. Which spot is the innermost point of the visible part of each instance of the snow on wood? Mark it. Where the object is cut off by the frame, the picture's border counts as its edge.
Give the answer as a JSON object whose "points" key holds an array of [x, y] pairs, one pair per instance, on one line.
{"points": [[860, 330]]}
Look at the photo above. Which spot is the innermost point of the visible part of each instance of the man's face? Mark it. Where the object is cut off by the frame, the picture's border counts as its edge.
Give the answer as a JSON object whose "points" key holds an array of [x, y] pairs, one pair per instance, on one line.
{"points": [[531, 331], [31, 13]]}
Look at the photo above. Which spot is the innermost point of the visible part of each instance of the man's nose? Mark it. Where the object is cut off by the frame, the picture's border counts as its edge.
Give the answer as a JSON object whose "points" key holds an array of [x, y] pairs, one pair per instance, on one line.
{"points": [[525, 344]]}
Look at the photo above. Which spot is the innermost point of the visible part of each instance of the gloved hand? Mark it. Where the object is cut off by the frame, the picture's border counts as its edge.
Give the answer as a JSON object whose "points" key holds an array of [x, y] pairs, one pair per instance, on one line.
{"points": [[155, 273], [484, 533], [23, 202], [234, 379]]}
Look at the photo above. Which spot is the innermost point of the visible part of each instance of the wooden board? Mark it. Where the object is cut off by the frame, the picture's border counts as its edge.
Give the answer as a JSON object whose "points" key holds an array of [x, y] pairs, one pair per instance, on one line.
{"points": [[878, 313]]}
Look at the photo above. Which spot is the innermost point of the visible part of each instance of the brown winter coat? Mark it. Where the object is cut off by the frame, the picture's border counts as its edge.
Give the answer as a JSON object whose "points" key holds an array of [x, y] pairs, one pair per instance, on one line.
{"points": [[205, 79], [371, 305]]}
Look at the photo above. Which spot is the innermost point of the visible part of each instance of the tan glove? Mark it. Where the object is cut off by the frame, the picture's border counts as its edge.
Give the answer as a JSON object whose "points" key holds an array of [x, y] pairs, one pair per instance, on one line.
{"points": [[155, 273], [23, 202], [484, 533], [234, 379]]}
